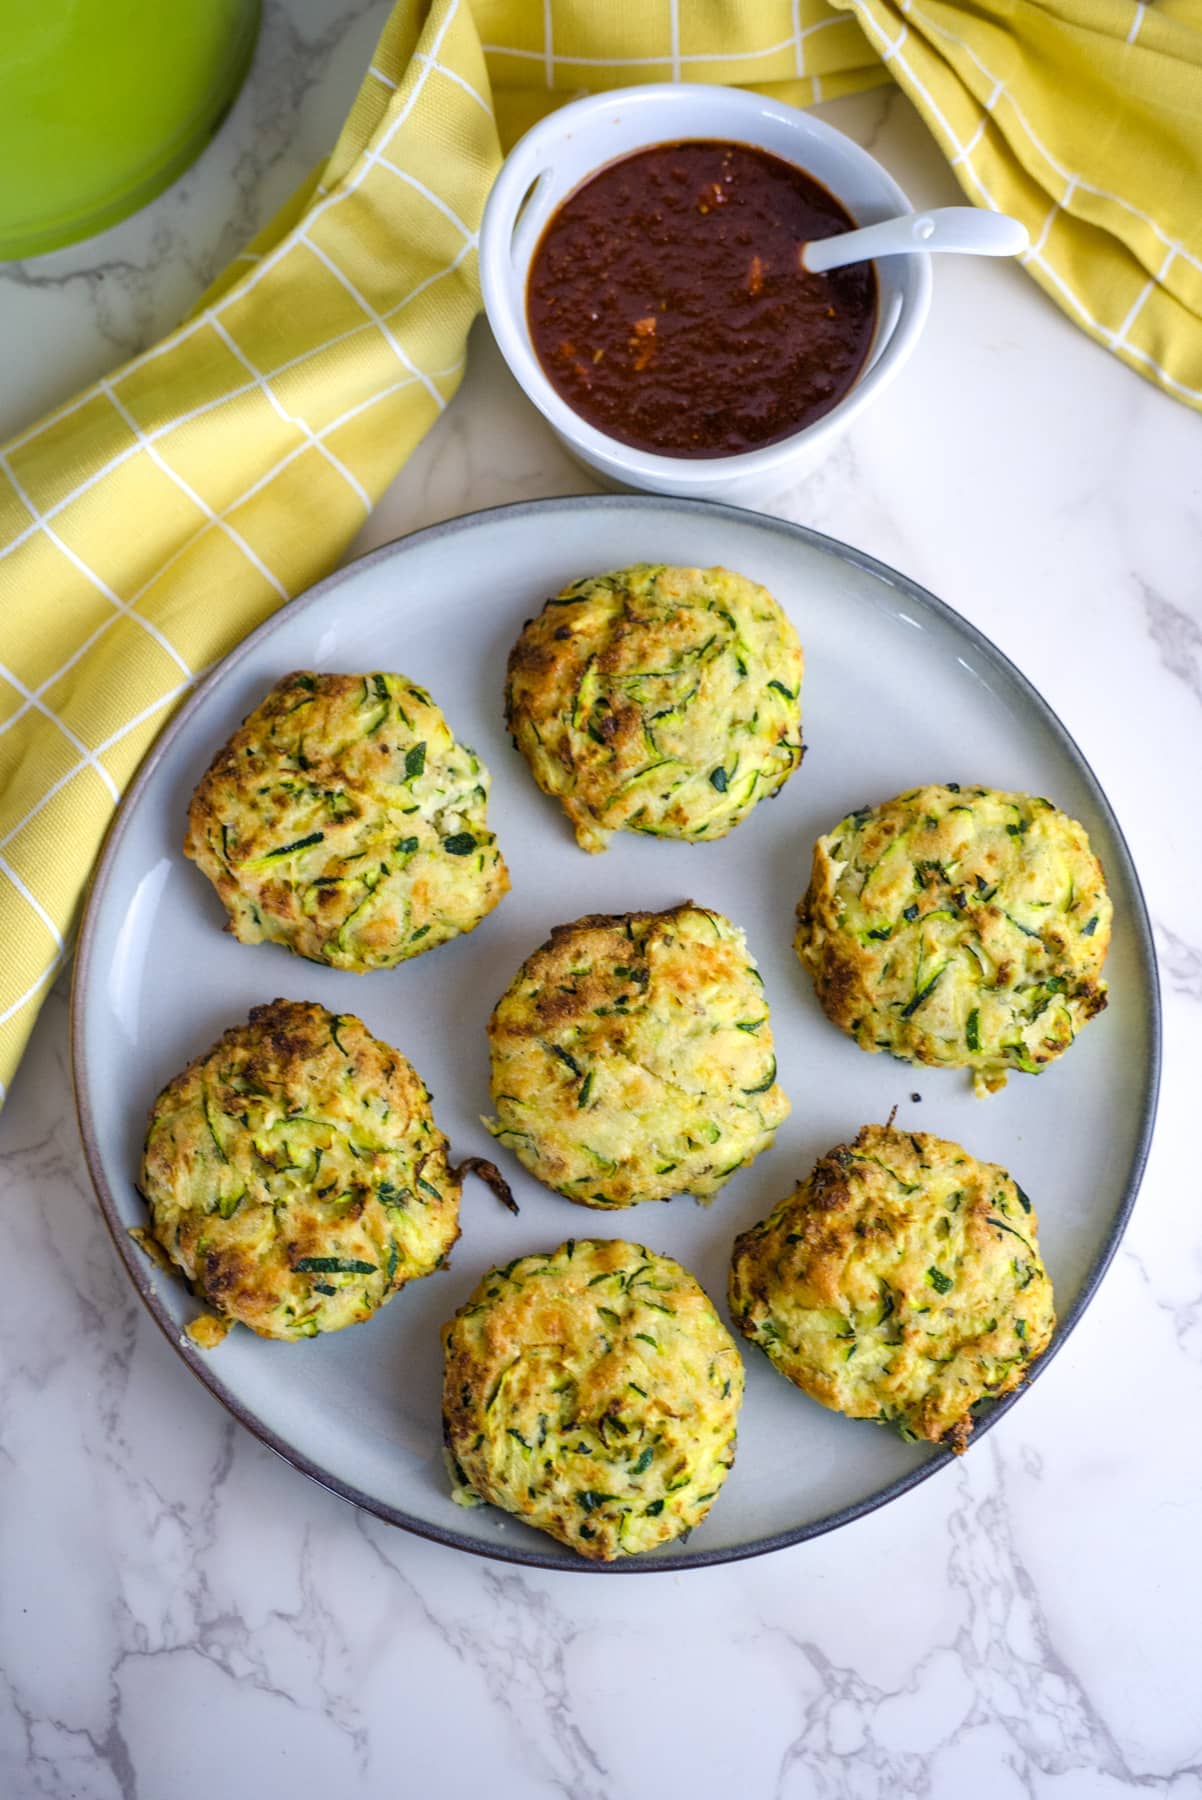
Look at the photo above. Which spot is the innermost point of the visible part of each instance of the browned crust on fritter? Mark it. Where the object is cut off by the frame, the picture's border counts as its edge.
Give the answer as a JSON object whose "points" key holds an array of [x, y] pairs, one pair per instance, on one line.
{"points": [[846, 1237]]}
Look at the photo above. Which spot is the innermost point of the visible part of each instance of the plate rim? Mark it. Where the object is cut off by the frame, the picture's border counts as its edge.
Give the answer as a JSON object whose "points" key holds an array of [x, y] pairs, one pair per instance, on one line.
{"points": [[139, 1270]]}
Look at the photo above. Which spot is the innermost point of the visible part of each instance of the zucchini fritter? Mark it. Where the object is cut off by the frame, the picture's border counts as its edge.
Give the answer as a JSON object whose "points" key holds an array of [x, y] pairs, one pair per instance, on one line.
{"points": [[295, 1174], [958, 927], [659, 700], [901, 1282], [595, 1393], [632, 1058], [345, 821]]}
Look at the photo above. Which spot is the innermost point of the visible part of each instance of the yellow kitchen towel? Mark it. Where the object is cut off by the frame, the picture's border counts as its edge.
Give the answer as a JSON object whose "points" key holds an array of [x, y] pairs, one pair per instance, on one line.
{"points": [[149, 524], [1082, 118]]}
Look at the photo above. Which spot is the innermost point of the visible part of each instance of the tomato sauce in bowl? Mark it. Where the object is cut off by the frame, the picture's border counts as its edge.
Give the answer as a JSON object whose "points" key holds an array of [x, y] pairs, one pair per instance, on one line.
{"points": [[668, 307]]}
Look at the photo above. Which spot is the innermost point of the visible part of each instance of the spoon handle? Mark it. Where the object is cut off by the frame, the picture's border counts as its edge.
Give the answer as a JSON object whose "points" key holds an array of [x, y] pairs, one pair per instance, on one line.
{"points": [[968, 230]]}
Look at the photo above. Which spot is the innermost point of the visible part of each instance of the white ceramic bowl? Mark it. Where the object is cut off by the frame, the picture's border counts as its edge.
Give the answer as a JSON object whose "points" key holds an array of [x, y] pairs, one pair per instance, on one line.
{"points": [[572, 144]]}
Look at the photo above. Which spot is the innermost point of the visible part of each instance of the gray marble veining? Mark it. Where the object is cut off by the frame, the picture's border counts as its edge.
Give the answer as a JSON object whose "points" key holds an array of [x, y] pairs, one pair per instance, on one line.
{"points": [[1177, 635]]}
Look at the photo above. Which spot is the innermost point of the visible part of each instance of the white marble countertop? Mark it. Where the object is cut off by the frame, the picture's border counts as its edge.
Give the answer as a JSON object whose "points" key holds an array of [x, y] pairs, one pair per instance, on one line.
{"points": [[183, 1616]]}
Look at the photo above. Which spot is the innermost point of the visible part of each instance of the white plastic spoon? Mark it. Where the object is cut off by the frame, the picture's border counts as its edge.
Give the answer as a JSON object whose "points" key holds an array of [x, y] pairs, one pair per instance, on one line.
{"points": [[966, 230]]}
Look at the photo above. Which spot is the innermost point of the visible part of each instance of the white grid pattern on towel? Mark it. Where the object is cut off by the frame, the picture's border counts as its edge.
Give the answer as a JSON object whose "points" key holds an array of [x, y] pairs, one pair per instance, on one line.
{"points": [[688, 59], [959, 155], [145, 443]]}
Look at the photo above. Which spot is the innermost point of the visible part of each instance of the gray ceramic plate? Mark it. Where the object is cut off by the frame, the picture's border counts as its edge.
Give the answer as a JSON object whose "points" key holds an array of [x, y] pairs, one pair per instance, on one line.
{"points": [[898, 690]]}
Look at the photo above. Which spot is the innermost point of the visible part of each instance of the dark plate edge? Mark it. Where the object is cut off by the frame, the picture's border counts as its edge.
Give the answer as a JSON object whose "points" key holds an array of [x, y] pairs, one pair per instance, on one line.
{"points": [[136, 1265]]}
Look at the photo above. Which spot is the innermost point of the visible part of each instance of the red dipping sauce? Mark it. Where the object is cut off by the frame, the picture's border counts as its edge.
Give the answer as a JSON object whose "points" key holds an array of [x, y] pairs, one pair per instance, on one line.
{"points": [[668, 306]]}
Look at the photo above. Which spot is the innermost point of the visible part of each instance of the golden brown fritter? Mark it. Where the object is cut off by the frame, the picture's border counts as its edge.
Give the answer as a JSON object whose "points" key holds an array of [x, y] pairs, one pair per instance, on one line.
{"points": [[595, 1393], [901, 1282], [632, 1058], [658, 700], [295, 1174], [958, 927], [345, 821]]}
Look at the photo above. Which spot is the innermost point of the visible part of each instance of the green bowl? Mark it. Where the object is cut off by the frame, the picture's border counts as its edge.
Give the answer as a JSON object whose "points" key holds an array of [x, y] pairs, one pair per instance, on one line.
{"points": [[103, 103]]}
